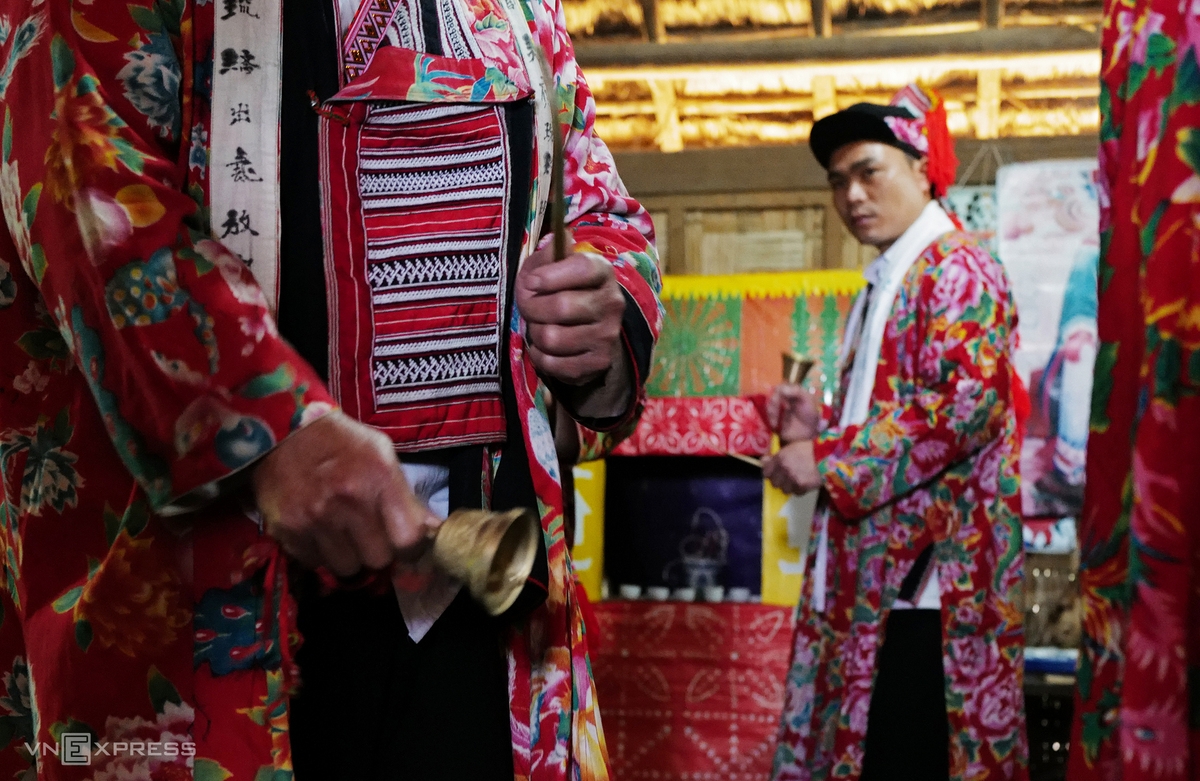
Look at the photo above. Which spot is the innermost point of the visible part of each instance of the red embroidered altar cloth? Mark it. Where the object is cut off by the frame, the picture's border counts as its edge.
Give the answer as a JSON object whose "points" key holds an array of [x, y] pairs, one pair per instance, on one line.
{"points": [[691, 691], [699, 427]]}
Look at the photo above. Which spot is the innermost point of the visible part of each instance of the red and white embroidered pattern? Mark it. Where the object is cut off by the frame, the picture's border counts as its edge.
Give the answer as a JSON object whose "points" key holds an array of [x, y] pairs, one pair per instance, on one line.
{"points": [[697, 426], [424, 319]]}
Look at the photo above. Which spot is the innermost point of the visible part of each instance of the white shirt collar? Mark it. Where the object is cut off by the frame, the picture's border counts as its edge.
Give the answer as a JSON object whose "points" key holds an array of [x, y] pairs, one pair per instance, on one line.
{"points": [[932, 224]]}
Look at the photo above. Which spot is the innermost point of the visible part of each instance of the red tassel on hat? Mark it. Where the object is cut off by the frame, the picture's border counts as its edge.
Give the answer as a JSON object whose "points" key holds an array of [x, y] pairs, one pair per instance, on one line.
{"points": [[943, 163], [928, 134]]}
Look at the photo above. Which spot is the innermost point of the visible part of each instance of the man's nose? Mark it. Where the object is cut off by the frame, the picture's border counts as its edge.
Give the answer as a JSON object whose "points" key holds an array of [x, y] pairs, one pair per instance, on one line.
{"points": [[855, 193]]}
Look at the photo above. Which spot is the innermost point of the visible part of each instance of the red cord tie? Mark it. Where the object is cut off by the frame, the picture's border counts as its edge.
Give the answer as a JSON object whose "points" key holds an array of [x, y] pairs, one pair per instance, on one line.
{"points": [[329, 114]]}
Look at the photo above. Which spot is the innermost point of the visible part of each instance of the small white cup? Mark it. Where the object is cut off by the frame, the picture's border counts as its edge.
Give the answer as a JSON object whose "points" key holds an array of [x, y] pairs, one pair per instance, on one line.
{"points": [[739, 594], [685, 594], [658, 593], [714, 594], [630, 591]]}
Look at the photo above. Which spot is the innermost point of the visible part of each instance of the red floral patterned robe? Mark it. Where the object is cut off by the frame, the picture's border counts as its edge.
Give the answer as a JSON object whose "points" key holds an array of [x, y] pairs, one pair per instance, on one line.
{"points": [[935, 462], [141, 370], [1137, 714]]}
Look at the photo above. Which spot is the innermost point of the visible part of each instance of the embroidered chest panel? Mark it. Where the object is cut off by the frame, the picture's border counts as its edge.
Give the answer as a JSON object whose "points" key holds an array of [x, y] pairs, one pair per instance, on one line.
{"points": [[420, 313]]}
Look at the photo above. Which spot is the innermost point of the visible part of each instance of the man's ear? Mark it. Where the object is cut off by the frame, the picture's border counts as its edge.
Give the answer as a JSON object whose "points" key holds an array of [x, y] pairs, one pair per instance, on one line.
{"points": [[921, 168]]}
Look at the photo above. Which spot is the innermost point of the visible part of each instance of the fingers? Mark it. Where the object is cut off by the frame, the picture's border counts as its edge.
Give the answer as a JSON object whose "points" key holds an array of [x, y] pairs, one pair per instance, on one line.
{"points": [[568, 340], [790, 392], [776, 405], [574, 335], [574, 272], [302, 548], [808, 402], [540, 258], [784, 398], [337, 550], [777, 474], [406, 520], [577, 369], [370, 541], [574, 305], [330, 495]]}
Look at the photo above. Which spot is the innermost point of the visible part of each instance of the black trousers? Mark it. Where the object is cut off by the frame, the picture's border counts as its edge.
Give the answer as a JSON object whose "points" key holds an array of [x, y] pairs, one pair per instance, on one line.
{"points": [[908, 735], [375, 706]]}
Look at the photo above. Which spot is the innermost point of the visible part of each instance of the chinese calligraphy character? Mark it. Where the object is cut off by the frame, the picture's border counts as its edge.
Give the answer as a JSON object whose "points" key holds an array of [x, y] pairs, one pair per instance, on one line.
{"points": [[243, 168], [249, 263], [235, 7], [236, 224], [241, 113], [231, 60]]}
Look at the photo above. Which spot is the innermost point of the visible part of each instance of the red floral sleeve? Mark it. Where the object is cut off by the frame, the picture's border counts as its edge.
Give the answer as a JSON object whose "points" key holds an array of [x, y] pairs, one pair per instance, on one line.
{"points": [[174, 337], [604, 219], [958, 401]]}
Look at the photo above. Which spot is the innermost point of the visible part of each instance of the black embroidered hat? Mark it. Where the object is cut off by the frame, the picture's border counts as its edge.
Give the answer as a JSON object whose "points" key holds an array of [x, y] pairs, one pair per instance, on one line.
{"points": [[860, 122]]}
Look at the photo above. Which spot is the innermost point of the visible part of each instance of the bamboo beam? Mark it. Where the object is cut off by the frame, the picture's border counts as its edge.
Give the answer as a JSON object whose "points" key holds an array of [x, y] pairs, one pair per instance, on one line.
{"points": [[792, 167], [803, 104], [824, 100], [652, 22], [798, 50], [822, 18], [987, 110], [666, 116], [991, 13]]}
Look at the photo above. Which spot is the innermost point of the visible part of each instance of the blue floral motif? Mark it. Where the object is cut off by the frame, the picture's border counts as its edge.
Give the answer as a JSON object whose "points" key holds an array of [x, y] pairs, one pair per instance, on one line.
{"points": [[227, 631], [8, 286], [145, 293], [242, 440], [198, 157], [151, 80], [543, 442]]}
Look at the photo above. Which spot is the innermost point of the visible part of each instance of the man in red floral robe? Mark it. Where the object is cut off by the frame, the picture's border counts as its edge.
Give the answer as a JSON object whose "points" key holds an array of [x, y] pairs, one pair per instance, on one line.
{"points": [[189, 338], [908, 655]]}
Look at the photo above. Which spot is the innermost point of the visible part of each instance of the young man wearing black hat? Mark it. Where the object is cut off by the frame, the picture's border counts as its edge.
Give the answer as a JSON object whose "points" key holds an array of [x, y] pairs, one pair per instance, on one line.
{"points": [[908, 654]]}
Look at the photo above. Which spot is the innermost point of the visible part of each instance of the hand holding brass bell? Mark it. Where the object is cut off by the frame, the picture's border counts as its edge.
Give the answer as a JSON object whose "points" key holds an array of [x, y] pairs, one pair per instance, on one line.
{"points": [[491, 552]]}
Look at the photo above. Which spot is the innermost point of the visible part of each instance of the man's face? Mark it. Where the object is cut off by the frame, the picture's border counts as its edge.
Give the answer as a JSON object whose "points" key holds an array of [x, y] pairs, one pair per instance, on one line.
{"points": [[878, 190]]}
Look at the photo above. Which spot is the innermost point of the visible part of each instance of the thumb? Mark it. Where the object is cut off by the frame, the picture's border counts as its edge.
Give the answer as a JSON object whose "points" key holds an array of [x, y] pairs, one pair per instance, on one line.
{"points": [[789, 391], [408, 521], [544, 255], [773, 411]]}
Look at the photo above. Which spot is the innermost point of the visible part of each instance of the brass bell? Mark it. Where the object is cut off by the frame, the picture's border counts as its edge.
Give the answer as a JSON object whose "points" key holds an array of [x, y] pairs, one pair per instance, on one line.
{"points": [[491, 552], [795, 368]]}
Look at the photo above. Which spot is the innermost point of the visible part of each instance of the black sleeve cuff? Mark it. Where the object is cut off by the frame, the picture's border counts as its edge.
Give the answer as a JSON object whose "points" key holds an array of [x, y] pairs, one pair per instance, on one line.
{"points": [[637, 338]]}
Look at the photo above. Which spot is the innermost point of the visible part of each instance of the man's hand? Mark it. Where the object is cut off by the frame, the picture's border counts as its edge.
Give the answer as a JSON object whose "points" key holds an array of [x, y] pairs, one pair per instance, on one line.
{"points": [[793, 469], [573, 310], [334, 494], [794, 413]]}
